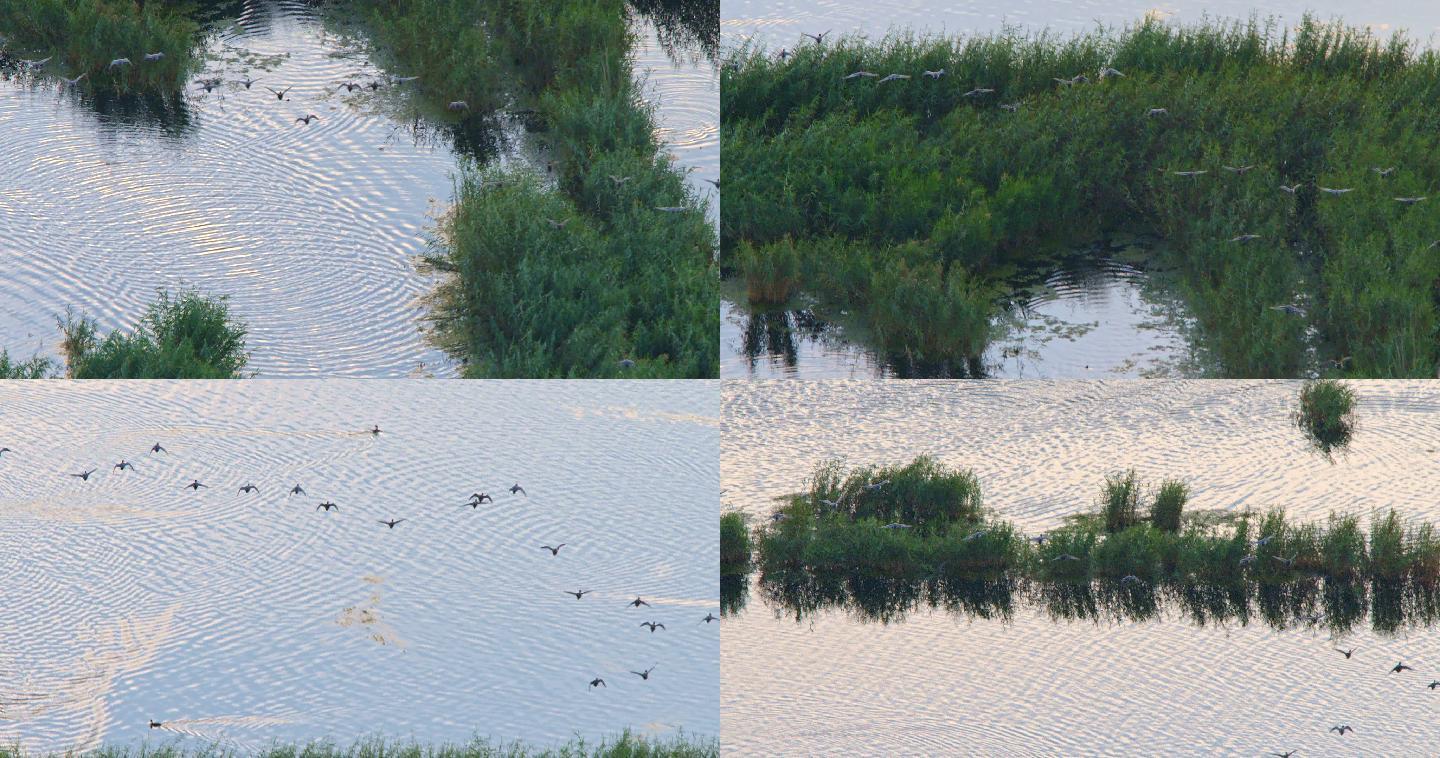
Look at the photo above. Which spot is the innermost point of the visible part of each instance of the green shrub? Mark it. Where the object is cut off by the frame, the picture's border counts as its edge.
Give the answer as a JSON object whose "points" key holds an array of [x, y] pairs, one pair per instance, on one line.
{"points": [[1326, 413], [735, 545], [187, 336], [1120, 501], [1169, 502]]}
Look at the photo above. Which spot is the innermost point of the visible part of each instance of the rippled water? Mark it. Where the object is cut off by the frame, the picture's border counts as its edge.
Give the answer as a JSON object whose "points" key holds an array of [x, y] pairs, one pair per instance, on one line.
{"points": [[1030, 685], [252, 617], [1118, 323], [311, 230]]}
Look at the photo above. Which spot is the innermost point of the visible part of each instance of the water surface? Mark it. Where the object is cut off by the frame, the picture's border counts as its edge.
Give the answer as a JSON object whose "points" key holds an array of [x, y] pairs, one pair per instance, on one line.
{"points": [[1030, 682], [251, 617]]}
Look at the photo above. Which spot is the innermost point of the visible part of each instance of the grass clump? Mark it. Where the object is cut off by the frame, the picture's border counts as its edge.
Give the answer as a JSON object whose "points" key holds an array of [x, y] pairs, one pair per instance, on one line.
{"points": [[735, 547], [1166, 510], [1327, 413], [84, 36], [916, 169], [1120, 501], [38, 367], [184, 336], [625, 745], [607, 269]]}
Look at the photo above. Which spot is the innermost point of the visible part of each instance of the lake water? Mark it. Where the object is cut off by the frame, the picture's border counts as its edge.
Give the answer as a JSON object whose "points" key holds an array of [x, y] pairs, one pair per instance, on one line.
{"points": [[1033, 683], [247, 618], [1119, 323], [311, 230]]}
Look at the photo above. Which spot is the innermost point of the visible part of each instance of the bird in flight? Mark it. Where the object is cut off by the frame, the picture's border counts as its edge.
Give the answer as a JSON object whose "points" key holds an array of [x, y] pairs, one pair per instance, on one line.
{"points": [[978, 91], [653, 625], [280, 94], [1346, 653], [350, 86], [819, 38], [84, 475], [123, 464], [1333, 191], [1400, 667], [1383, 172], [307, 118], [557, 224], [75, 81], [195, 485], [1434, 683], [1290, 189], [391, 523], [598, 682], [457, 105], [1245, 238], [1409, 200], [554, 551], [297, 490], [1341, 729], [646, 673], [1189, 173], [156, 724], [481, 497], [1283, 755], [152, 57], [933, 74], [578, 593], [1064, 557], [375, 432], [1157, 112], [117, 62], [710, 617], [1239, 169], [1293, 310], [249, 488], [893, 78], [248, 81], [637, 602], [516, 488], [859, 74], [155, 448], [328, 506]]}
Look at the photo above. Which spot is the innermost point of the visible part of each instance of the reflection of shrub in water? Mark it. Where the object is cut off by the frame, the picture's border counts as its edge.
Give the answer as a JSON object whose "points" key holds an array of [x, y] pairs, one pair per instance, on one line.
{"points": [[1326, 414]]}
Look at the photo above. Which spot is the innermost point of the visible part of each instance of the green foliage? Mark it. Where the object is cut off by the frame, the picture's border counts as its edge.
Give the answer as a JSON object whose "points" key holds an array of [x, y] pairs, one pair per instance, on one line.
{"points": [[84, 36], [735, 547], [1169, 502], [38, 367], [1120, 501], [1326, 413], [810, 155], [188, 336]]}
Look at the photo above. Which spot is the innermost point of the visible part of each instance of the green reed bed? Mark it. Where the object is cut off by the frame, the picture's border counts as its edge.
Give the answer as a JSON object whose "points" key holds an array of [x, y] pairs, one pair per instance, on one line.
{"points": [[84, 36], [187, 335], [852, 178], [735, 545], [578, 272], [1326, 413], [626, 745], [939, 528]]}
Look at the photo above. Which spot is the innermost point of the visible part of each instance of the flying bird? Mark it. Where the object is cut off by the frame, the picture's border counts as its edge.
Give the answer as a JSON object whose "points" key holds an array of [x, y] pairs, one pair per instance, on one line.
{"points": [[637, 602], [297, 490], [1346, 653], [375, 431], [644, 674], [933, 74], [1189, 173], [578, 593], [516, 488], [1245, 238], [157, 449], [152, 57], [85, 475], [123, 464], [1400, 667], [819, 38], [557, 224], [327, 506], [1291, 189], [898, 525], [1293, 310], [1107, 71], [457, 105], [1383, 172], [712, 617], [978, 91], [75, 81], [1332, 191], [247, 489], [1341, 729], [280, 94], [195, 485], [858, 74], [893, 78], [1064, 557], [653, 625], [598, 682], [247, 81], [1157, 112], [307, 118], [391, 523], [1409, 200], [1239, 169], [554, 551], [118, 62]]}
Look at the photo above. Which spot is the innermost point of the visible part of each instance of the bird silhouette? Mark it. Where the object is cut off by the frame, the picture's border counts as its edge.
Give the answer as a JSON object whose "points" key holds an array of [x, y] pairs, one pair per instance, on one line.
{"points": [[1239, 169], [157, 449], [1291, 189], [280, 94], [1064, 557], [710, 617], [156, 724], [1341, 729], [1408, 200], [637, 602], [307, 118], [646, 673], [894, 78], [457, 105], [1189, 173], [118, 62], [195, 485], [350, 86], [152, 57], [598, 682], [1242, 239], [1434, 683], [391, 523], [653, 625], [819, 38], [1293, 310], [898, 525], [249, 488], [248, 81], [516, 488], [1346, 653], [861, 74], [554, 551], [328, 506], [297, 490], [375, 431], [1283, 755], [978, 91], [75, 81], [481, 497], [1400, 667], [1336, 191], [578, 593], [84, 475], [933, 74], [123, 464]]}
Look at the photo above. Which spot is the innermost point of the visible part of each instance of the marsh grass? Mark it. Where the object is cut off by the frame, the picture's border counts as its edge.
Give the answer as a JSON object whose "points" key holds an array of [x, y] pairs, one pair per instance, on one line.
{"points": [[621, 289], [952, 536], [626, 745], [38, 367], [735, 545], [812, 156], [85, 35], [187, 335], [1326, 413]]}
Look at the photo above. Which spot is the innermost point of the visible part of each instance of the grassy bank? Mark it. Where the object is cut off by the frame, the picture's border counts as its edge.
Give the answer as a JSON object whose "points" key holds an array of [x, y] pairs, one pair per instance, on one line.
{"points": [[924, 520], [909, 200], [627, 745], [184, 336], [602, 266], [85, 36]]}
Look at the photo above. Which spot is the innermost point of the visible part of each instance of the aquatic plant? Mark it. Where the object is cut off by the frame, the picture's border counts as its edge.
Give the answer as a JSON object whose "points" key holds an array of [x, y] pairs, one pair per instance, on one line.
{"points": [[1120, 501], [1326, 413], [1169, 504], [965, 183], [85, 36], [38, 367], [610, 270], [184, 336], [735, 547], [625, 745]]}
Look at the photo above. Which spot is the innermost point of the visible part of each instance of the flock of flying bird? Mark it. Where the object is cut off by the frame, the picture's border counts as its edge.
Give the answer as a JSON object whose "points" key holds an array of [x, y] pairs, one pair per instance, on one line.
{"points": [[1109, 72], [474, 502]]}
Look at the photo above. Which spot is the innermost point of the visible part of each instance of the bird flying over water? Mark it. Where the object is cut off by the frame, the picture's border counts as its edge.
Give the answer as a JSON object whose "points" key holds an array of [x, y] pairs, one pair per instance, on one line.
{"points": [[712, 617], [597, 682], [516, 488], [392, 522], [123, 464], [195, 485], [554, 551], [893, 78], [280, 94], [307, 118], [637, 602], [646, 673], [819, 38], [36, 63], [578, 593], [4, 450], [1399, 667], [247, 81], [1341, 729], [327, 506], [1346, 653], [247, 489], [157, 449], [75, 81], [653, 625], [297, 490], [84, 475]]}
